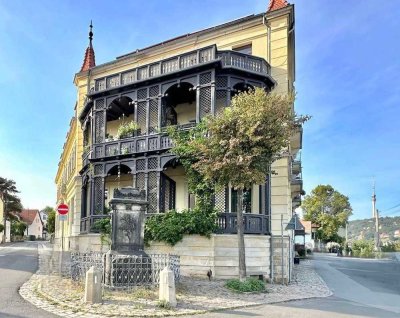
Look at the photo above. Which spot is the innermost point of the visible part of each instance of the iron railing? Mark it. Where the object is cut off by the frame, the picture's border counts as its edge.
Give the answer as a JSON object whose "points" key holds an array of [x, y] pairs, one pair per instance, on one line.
{"points": [[128, 271], [244, 62], [124, 271]]}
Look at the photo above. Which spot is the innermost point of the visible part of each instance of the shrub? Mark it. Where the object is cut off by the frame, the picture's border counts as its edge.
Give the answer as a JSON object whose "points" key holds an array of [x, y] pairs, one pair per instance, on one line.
{"points": [[172, 226], [363, 248], [388, 246], [249, 285]]}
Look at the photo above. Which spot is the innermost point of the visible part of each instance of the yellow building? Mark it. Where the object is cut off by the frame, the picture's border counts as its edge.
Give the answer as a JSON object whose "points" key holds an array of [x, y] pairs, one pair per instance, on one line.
{"points": [[175, 82]]}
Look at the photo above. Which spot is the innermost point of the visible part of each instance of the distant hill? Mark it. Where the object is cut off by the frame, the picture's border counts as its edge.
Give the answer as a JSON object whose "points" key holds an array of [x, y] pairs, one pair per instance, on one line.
{"points": [[365, 229]]}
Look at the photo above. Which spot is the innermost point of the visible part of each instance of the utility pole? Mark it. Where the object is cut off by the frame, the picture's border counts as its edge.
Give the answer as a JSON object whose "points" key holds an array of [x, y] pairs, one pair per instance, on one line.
{"points": [[373, 200], [377, 244]]}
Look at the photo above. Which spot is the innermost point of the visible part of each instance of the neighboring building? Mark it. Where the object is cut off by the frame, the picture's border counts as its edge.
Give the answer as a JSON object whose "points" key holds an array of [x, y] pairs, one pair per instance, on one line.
{"points": [[33, 221], [176, 82], [310, 230], [396, 234], [44, 217]]}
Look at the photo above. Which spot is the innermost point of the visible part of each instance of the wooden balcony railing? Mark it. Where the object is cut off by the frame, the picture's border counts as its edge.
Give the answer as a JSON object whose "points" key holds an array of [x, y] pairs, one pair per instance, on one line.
{"points": [[181, 62], [227, 224], [253, 223], [244, 61]]}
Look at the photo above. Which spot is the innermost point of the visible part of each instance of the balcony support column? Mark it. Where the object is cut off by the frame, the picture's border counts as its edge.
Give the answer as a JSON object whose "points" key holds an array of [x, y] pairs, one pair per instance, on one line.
{"points": [[197, 101]]}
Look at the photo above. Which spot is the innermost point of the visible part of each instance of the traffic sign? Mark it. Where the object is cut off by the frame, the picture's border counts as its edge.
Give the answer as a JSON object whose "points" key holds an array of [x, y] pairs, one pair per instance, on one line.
{"points": [[62, 217], [62, 209]]}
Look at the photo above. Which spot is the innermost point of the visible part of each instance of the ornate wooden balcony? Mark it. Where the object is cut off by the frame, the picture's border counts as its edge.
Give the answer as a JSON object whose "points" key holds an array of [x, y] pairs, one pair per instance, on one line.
{"points": [[179, 63], [227, 224], [253, 223]]}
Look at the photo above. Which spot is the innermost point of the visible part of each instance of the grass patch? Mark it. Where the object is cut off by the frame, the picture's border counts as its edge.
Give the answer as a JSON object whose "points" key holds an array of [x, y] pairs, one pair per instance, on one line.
{"points": [[144, 293], [164, 304], [249, 285]]}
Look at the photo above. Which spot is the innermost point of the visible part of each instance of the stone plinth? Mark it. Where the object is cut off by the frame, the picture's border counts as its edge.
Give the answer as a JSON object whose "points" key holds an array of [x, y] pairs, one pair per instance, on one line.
{"points": [[167, 287], [93, 286]]}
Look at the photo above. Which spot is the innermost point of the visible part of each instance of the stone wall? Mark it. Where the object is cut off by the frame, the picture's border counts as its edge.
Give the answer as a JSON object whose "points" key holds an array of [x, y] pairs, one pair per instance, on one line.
{"points": [[219, 253]]}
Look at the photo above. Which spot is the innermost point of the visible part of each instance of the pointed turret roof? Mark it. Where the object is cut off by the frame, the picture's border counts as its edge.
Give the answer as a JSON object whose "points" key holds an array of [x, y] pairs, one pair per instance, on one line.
{"points": [[89, 60], [276, 4]]}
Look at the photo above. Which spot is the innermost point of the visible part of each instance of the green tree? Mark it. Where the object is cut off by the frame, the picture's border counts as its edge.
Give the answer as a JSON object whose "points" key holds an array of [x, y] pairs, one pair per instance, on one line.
{"points": [[8, 190], [329, 209], [18, 228], [238, 147], [51, 220]]}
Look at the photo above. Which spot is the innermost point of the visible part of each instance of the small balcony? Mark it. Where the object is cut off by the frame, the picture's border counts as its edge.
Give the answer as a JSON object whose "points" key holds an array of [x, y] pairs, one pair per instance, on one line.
{"points": [[297, 184], [296, 142]]}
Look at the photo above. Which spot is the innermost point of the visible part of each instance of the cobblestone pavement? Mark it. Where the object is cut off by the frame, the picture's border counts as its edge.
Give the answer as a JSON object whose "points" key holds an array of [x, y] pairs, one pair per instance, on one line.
{"points": [[64, 297]]}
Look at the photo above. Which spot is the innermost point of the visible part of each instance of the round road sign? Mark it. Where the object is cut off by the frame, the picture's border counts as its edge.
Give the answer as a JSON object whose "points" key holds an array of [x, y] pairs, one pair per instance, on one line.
{"points": [[62, 209]]}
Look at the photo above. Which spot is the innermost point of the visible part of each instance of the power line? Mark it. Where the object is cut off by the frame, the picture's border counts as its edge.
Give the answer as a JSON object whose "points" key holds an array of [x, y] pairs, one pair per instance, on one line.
{"points": [[397, 205]]}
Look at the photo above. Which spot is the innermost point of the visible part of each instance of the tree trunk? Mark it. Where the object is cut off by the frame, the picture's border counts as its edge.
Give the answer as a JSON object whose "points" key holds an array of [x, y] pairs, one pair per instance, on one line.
{"points": [[240, 233]]}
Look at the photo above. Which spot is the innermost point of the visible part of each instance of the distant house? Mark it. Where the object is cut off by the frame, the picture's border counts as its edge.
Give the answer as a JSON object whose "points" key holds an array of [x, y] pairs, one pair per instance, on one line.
{"points": [[397, 234], [310, 234], [34, 222], [384, 236]]}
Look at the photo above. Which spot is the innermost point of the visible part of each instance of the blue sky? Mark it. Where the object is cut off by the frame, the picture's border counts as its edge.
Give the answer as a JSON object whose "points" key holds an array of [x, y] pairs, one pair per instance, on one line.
{"points": [[347, 64]]}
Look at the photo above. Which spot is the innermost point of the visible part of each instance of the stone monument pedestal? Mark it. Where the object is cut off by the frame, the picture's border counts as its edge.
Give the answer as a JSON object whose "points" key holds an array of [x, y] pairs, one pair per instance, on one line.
{"points": [[127, 262]]}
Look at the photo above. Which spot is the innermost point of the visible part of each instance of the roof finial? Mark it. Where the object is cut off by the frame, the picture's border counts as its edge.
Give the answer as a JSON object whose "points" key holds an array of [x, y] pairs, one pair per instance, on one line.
{"points": [[90, 31]]}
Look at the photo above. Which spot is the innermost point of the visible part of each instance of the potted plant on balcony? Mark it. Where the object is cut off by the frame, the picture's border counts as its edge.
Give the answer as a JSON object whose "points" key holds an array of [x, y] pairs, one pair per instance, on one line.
{"points": [[109, 137], [127, 129]]}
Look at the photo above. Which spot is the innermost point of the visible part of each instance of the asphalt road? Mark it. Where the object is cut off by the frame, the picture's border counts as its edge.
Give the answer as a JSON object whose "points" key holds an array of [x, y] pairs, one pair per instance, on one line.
{"points": [[18, 261], [362, 288]]}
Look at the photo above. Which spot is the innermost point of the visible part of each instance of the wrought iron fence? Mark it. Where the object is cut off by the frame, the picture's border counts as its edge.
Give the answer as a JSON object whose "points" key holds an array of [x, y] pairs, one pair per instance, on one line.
{"points": [[82, 262], [128, 271], [124, 271]]}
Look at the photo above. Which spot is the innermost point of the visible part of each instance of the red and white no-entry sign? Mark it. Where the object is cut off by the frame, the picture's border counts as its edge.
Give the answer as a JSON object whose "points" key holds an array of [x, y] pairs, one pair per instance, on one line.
{"points": [[62, 209]]}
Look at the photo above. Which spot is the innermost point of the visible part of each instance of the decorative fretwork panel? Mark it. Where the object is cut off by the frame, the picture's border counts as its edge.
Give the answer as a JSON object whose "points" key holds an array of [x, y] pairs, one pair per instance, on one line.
{"points": [[170, 66], [152, 197], [153, 116], [222, 81], [142, 73], [142, 93], [205, 101], [140, 165], [141, 117], [206, 55], [98, 195], [153, 92], [128, 77], [141, 181], [99, 127], [98, 169], [188, 60], [221, 101], [99, 104], [152, 163], [205, 78], [154, 70], [113, 81], [221, 200]]}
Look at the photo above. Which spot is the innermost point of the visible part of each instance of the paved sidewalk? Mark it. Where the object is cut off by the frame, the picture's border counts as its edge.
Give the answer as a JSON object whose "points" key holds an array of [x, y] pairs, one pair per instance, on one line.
{"points": [[64, 297]]}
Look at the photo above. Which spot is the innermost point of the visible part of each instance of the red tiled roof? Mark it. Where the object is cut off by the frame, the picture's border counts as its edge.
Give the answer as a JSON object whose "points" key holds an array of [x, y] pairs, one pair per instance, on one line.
{"points": [[89, 60], [276, 4], [28, 216]]}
